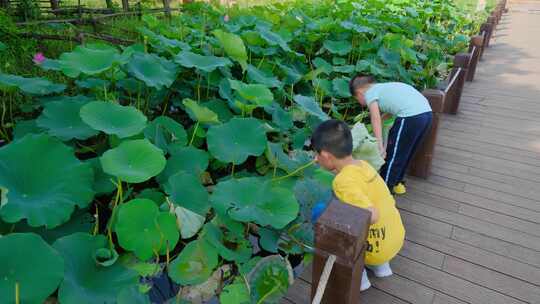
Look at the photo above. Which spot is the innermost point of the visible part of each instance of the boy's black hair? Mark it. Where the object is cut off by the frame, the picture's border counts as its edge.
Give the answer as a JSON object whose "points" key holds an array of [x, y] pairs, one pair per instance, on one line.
{"points": [[333, 136], [359, 81]]}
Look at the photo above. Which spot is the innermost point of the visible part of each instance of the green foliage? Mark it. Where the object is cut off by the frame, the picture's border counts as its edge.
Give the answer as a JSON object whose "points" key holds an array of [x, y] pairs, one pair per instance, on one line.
{"points": [[197, 133]]}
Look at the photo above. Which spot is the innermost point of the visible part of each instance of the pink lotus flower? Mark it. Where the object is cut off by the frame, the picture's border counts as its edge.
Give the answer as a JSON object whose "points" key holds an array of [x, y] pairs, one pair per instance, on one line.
{"points": [[226, 18], [39, 58]]}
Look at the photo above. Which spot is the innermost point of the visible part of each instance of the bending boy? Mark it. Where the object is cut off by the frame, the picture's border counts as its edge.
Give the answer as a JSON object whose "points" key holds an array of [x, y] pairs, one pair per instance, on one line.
{"points": [[358, 184], [413, 120]]}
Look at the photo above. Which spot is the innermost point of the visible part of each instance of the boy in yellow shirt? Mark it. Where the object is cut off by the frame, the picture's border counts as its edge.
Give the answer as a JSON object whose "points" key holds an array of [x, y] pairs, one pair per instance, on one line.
{"points": [[358, 184]]}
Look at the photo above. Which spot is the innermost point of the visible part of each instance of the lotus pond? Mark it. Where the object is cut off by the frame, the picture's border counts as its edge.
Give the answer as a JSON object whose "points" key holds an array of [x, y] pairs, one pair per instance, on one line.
{"points": [[183, 160]]}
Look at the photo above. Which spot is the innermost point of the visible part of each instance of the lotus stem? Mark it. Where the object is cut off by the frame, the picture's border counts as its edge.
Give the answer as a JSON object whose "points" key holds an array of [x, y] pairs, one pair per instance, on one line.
{"points": [[168, 255], [232, 170], [194, 132], [17, 296], [261, 62], [199, 88], [96, 227], [299, 169], [118, 199]]}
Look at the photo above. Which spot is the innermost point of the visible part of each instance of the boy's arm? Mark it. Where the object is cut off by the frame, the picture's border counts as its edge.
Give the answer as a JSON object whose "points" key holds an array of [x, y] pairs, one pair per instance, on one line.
{"points": [[374, 214], [376, 123]]}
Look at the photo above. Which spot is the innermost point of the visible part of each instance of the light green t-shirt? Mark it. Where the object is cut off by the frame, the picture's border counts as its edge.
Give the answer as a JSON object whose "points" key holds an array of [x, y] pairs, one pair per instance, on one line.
{"points": [[398, 99]]}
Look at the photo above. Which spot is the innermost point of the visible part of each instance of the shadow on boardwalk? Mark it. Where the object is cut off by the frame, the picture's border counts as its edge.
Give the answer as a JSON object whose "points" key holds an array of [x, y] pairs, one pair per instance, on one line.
{"points": [[473, 227]]}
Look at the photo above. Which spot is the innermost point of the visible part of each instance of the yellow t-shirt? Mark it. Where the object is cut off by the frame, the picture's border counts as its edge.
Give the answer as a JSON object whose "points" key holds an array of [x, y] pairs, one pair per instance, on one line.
{"points": [[360, 185]]}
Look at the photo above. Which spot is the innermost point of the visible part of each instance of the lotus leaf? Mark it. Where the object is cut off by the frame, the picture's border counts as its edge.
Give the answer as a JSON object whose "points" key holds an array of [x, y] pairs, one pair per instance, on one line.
{"points": [[273, 39], [253, 199], [341, 47], [143, 229], [269, 240], [236, 293], [103, 182], [200, 113], [42, 199], [33, 86], [187, 191], [228, 145], [309, 192], [341, 87], [154, 195], [259, 76], [309, 105], [164, 131], [238, 249], [62, 119], [90, 59], [189, 222], [323, 64], [255, 93], [112, 118], [365, 146], [270, 279], [233, 46], [221, 108], [153, 70], [132, 295], [3, 46], [204, 63], [85, 281], [24, 127], [26, 260], [188, 159], [133, 161], [195, 263]]}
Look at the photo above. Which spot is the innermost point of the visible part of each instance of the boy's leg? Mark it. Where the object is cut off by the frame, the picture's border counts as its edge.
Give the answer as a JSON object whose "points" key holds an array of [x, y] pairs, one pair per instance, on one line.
{"points": [[400, 141], [365, 283], [423, 121], [382, 270]]}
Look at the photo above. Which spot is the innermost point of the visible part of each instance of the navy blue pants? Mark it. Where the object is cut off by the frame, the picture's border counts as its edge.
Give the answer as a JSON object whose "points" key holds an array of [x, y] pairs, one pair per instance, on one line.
{"points": [[404, 138]]}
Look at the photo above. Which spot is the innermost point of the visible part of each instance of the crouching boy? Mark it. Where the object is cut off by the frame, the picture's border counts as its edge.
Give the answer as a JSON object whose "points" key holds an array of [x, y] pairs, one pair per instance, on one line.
{"points": [[358, 184]]}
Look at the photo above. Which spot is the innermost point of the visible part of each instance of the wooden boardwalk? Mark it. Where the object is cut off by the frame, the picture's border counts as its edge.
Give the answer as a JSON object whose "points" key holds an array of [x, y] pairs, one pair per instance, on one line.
{"points": [[473, 227]]}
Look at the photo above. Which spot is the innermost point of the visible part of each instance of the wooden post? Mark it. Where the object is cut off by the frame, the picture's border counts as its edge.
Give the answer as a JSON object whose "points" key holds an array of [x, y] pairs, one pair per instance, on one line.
{"points": [[476, 45], [491, 22], [342, 231], [125, 5], [456, 81], [421, 163], [167, 8]]}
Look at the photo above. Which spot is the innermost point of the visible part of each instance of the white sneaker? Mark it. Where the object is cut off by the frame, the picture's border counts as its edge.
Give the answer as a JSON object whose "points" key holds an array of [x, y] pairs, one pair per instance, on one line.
{"points": [[382, 270], [364, 284]]}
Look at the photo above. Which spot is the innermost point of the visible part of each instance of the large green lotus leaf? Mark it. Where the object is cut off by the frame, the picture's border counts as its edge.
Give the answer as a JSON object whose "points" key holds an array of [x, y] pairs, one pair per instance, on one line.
{"points": [[62, 119], [273, 39], [309, 192], [26, 260], [280, 117], [204, 63], [24, 127], [323, 65], [255, 93], [133, 161], [90, 59], [238, 249], [259, 76], [270, 279], [143, 229], [221, 108], [269, 240], [236, 293], [44, 181], [112, 118], [341, 47], [200, 113], [309, 105], [233, 46], [93, 84], [291, 161], [103, 182], [234, 141], [164, 131], [186, 190], [3, 46], [195, 263], [189, 222], [153, 70], [81, 221], [253, 199], [132, 295], [341, 87], [86, 281], [33, 86], [188, 159]]}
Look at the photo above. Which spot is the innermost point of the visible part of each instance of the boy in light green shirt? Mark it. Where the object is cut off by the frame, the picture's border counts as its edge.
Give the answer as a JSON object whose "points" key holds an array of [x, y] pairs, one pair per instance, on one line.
{"points": [[413, 120]]}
